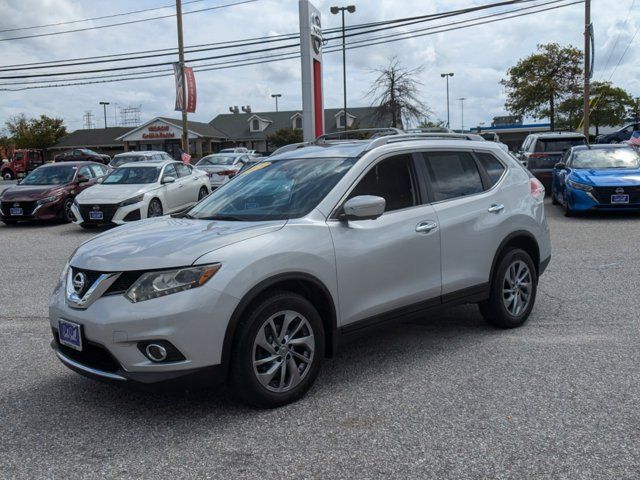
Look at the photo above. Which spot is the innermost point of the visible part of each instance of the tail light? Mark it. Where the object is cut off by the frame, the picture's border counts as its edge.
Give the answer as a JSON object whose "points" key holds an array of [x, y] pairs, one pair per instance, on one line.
{"points": [[538, 155], [536, 189], [227, 172]]}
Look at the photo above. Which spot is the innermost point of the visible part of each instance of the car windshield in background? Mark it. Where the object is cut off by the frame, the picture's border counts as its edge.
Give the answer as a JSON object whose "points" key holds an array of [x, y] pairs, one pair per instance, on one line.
{"points": [[558, 144], [606, 158], [278, 190], [50, 176], [132, 175], [216, 160], [117, 161]]}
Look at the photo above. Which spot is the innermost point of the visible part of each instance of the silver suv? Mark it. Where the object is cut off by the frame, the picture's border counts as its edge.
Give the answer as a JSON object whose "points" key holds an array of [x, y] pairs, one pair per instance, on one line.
{"points": [[261, 280]]}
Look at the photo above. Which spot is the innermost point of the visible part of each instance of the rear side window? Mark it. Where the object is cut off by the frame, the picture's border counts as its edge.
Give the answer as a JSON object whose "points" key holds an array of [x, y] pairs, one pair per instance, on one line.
{"points": [[492, 166], [557, 144], [452, 174]]}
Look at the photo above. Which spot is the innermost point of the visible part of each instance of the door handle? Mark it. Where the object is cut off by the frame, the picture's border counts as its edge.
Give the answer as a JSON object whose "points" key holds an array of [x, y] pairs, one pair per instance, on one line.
{"points": [[495, 208], [426, 227]]}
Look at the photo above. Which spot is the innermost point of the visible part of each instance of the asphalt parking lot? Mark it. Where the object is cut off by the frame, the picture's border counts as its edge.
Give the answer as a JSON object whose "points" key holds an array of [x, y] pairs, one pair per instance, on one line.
{"points": [[439, 397]]}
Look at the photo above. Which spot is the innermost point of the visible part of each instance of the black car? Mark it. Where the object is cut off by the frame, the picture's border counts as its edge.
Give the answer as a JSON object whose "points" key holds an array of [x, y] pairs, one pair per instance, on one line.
{"points": [[82, 154], [619, 136]]}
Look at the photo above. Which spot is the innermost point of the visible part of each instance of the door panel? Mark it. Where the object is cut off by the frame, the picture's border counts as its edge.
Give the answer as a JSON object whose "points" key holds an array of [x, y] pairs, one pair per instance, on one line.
{"points": [[171, 190]]}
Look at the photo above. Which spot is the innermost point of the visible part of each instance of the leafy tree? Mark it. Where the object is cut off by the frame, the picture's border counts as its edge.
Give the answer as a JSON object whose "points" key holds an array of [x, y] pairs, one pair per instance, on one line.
{"points": [[285, 136], [394, 93], [537, 83], [426, 123], [42, 132], [633, 109], [609, 106]]}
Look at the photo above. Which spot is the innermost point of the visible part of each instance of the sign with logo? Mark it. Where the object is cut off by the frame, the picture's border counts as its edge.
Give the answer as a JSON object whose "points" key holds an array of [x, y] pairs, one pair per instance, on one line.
{"points": [[158, 131], [185, 80], [311, 63]]}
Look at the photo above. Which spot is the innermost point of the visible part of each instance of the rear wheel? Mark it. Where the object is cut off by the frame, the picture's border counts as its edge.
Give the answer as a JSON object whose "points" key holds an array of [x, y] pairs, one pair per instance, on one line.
{"points": [[513, 290], [7, 175], [202, 193], [155, 208], [278, 350]]}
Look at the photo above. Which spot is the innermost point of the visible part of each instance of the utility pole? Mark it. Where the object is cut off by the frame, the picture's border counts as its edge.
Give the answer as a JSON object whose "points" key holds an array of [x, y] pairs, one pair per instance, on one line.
{"points": [[185, 127], [462, 99], [447, 75], [104, 105], [587, 66]]}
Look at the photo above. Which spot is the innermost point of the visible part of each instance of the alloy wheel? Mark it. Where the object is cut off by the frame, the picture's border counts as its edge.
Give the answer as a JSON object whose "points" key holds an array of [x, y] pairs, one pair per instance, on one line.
{"points": [[68, 214], [155, 209], [283, 351], [517, 288], [202, 193]]}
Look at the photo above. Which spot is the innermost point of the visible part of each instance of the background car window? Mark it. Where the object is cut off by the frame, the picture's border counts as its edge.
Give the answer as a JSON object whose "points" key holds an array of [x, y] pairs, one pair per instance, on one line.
{"points": [[98, 170], [492, 166], [391, 179], [183, 170], [558, 144], [170, 171], [452, 174], [86, 172]]}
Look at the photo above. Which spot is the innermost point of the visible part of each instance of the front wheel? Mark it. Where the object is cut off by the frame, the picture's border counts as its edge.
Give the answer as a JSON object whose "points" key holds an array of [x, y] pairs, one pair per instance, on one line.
{"points": [[7, 175], [202, 193], [278, 351], [155, 208], [66, 215], [513, 290], [568, 211]]}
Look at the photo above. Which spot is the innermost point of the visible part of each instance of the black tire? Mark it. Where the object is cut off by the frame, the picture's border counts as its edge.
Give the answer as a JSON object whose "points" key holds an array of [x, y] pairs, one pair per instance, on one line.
{"points": [[8, 175], [202, 193], [243, 376], [66, 215], [154, 209], [493, 309]]}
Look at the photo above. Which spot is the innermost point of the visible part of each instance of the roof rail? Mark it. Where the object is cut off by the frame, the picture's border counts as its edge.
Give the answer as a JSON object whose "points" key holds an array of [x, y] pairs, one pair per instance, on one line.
{"points": [[378, 142], [357, 134]]}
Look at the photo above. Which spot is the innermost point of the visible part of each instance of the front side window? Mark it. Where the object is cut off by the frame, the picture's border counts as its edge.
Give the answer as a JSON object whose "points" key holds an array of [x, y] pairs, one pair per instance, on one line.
{"points": [[132, 176], [170, 171], [98, 170], [492, 166], [391, 179], [452, 174], [85, 172], [276, 190], [183, 170]]}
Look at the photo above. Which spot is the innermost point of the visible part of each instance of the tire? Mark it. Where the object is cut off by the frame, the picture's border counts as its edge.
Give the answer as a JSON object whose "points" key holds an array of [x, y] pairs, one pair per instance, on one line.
{"points": [[66, 215], [154, 209], [567, 208], [202, 193], [7, 175], [498, 310], [277, 309]]}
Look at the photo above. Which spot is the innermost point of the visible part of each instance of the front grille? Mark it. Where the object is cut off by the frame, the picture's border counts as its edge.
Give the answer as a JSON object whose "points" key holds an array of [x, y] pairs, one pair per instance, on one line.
{"points": [[92, 355], [603, 194], [108, 211], [91, 278], [27, 207]]}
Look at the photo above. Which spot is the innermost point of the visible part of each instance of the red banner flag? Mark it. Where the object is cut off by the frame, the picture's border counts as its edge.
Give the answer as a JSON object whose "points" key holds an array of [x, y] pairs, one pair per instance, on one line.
{"points": [[190, 80]]}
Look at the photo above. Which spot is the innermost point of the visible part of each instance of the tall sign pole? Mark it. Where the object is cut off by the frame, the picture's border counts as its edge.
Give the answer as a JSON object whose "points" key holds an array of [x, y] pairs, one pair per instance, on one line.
{"points": [[311, 64], [185, 127], [587, 66]]}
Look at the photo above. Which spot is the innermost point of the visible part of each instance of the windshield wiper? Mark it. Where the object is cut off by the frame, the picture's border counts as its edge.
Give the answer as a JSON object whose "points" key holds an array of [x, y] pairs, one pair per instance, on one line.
{"points": [[230, 218]]}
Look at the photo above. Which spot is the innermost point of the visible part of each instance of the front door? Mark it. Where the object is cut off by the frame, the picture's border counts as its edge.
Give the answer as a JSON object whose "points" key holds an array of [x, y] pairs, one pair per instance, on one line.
{"points": [[393, 261]]}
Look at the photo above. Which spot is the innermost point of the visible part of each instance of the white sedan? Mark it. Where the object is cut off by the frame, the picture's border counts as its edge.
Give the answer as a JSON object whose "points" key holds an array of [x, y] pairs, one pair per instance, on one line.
{"points": [[140, 190]]}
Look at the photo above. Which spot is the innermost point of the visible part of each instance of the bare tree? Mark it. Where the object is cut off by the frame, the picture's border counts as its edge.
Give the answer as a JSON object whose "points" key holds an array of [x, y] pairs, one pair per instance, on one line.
{"points": [[395, 96]]}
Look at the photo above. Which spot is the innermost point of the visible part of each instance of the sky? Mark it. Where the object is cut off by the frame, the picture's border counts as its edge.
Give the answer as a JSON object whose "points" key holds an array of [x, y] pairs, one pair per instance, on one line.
{"points": [[478, 56]]}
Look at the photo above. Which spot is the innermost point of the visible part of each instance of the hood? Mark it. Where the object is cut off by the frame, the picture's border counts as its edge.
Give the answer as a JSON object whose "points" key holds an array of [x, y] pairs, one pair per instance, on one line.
{"points": [[164, 242], [608, 177], [109, 194], [27, 193]]}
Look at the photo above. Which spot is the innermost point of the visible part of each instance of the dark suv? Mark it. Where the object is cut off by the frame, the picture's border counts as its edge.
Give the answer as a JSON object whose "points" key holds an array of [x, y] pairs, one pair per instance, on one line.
{"points": [[82, 154], [541, 151], [619, 136]]}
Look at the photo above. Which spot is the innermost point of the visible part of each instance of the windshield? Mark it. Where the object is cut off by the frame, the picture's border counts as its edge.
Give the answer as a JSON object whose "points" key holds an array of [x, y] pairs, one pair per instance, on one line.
{"points": [[132, 175], [216, 160], [50, 176], [558, 144], [117, 161], [278, 190], [606, 158]]}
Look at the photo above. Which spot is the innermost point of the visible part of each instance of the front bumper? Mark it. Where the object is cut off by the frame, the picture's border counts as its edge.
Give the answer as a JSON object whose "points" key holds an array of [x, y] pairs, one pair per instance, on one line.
{"points": [[112, 214], [582, 201], [194, 321], [32, 211]]}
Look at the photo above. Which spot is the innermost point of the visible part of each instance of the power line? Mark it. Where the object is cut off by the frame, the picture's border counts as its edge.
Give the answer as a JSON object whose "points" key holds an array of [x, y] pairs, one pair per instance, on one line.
{"points": [[125, 23]]}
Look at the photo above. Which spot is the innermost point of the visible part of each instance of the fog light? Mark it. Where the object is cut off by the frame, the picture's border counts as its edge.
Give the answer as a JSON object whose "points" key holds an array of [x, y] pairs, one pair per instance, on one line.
{"points": [[156, 352]]}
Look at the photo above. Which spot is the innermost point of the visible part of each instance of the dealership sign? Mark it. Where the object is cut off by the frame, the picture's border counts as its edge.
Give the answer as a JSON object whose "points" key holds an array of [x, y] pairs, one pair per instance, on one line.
{"points": [[311, 63], [158, 131]]}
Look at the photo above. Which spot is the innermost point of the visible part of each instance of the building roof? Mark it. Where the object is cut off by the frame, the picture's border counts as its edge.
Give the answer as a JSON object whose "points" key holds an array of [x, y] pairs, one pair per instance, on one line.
{"points": [[201, 128], [236, 126], [92, 137]]}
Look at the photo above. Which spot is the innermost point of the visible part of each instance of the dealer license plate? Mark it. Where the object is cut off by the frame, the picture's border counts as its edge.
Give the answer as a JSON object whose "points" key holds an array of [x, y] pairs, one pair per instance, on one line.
{"points": [[69, 334], [617, 199], [96, 215], [15, 211]]}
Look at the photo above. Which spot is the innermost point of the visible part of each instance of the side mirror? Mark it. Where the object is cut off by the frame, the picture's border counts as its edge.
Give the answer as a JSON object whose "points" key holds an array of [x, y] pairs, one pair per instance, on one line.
{"points": [[168, 179], [82, 179], [560, 166], [364, 207]]}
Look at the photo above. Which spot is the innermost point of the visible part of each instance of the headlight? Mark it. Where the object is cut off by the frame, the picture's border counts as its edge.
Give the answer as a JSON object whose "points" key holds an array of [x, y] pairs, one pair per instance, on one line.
{"points": [[579, 186], [49, 199], [158, 284], [131, 201]]}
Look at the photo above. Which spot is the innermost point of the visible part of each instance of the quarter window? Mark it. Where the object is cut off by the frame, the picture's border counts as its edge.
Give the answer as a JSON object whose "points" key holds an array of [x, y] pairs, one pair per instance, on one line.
{"points": [[391, 179], [452, 174], [492, 166]]}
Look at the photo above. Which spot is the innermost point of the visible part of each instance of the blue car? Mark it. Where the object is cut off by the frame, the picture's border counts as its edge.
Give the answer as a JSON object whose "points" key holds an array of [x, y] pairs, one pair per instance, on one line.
{"points": [[597, 177]]}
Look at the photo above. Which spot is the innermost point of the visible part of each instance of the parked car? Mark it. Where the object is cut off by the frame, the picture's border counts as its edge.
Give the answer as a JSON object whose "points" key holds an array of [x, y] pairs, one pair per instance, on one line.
{"points": [[235, 150], [221, 167], [47, 193], [541, 151], [131, 157], [619, 136], [21, 163], [266, 276], [599, 177], [134, 191], [85, 154]]}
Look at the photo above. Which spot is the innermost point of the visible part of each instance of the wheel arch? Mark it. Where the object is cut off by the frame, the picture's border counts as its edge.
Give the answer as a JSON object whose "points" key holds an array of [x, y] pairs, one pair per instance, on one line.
{"points": [[520, 239]]}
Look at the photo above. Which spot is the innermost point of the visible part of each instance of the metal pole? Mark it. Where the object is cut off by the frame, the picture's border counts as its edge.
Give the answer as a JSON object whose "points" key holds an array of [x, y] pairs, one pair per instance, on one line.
{"points": [[344, 74], [185, 127], [105, 114], [587, 66], [462, 99], [276, 104], [448, 118]]}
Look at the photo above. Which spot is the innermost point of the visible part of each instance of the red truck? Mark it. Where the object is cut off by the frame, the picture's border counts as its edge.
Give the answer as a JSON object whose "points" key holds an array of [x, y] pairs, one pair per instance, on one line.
{"points": [[21, 163]]}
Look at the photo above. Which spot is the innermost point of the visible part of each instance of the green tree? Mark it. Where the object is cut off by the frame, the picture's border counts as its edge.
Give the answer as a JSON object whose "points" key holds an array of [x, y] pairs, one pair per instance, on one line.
{"points": [[395, 96], [41, 132], [609, 107], [285, 136], [437, 123], [539, 82], [633, 109]]}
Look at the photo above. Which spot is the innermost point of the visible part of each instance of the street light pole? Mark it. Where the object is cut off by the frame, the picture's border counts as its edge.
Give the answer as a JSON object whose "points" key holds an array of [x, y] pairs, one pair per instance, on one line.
{"points": [[104, 105], [462, 99], [276, 96], [447, 75], [336, 10], [587, 67], [185, 126]]}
